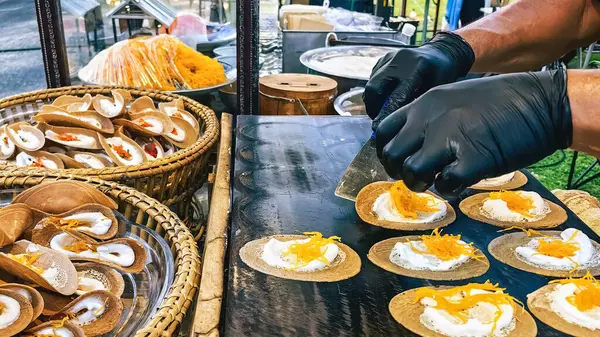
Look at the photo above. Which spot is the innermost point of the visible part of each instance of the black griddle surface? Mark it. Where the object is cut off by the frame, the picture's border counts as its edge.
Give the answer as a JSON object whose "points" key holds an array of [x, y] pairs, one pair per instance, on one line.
{"points": [[286, 171]]}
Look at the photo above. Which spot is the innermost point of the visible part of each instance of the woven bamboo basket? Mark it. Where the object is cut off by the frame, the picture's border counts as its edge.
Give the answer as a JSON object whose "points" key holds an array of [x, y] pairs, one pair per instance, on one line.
{"points": [[152, 214], [171, 180]]}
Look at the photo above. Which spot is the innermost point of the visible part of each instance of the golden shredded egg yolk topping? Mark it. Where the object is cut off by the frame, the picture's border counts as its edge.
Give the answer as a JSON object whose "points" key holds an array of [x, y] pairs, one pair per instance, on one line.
{"points": [[514, 201], [457, 301], [80, 246], [1, 308], [301, 254], [70, 224], [54, 327], [407, 202], [553, 247], [446, 247], [587, 295], [27, 259]]}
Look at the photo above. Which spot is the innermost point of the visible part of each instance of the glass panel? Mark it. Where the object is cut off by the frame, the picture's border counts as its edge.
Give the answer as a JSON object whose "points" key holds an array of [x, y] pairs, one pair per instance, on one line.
{"points": [[20, 53]]}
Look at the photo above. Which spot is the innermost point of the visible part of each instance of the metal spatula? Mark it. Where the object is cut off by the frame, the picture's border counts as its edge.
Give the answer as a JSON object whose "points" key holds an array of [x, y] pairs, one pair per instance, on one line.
{"points": [[363, 170]]}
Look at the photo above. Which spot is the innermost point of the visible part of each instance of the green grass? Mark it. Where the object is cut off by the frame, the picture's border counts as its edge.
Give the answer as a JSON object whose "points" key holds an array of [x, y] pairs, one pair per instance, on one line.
{"points": [[555, 177]]}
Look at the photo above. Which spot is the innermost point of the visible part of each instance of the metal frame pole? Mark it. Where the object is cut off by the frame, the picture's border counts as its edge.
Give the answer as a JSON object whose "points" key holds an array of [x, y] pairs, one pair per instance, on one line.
{"points": [[425, 16], [247, 55], [52, 41]]}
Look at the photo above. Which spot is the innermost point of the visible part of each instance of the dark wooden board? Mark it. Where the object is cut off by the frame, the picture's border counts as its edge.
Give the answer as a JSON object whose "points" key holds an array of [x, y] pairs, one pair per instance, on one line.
{"points": [[286, 171]]}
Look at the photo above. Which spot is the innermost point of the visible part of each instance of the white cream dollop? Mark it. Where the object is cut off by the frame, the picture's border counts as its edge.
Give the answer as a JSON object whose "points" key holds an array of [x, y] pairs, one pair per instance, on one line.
{"points": [[385, 209], [496, 181], [156, 126], [498, 209], [179, 135], [83, 141], [7, 147], [117, 253], [479, 324], [273, 255], [24, 160], [60, 332], [136, 156], [100, 224], [92, 307], [586, 252], [559, 304], [403, 255], [11, 311], [87, 284], [89, 160]]}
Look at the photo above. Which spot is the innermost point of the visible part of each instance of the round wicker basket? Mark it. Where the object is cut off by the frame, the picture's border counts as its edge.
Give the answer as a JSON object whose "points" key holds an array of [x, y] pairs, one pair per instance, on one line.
{"points": [[143, 210], [170, 180]]}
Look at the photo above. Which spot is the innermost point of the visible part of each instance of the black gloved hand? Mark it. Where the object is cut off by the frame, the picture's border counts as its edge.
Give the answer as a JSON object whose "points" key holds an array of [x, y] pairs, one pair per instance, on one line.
{"points": [[404, 75], [476, 129]]}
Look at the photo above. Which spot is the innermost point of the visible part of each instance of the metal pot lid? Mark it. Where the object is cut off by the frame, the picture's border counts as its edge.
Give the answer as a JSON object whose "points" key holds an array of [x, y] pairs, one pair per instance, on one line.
{"points": [[352, 62]]}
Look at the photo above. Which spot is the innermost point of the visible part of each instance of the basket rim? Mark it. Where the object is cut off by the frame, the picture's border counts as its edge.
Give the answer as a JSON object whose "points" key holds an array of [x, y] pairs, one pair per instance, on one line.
{"points": [[187, 264], [174, 161]]}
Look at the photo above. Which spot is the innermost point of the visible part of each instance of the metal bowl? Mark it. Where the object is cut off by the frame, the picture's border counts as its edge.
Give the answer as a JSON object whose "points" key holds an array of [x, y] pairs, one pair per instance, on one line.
{"points": [[319, 61], [228, 95], [226, 51], [350, 103]]}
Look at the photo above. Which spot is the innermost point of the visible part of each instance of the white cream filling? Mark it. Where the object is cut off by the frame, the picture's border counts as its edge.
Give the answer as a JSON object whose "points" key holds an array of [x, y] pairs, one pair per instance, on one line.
{"points": [[498, 209], [117, 253], [51, 275], [21, 292], [173, 111], [87, 284], [60, 332], [496, 181], [584, 255], [100, 224], [89, 160], [136, 156], [179, 137], [83, 141], [23, 160], [26, 139], [156, 125], [111, 109], [479, 324], [273, 255], [11, 311], [403, 255], [86, 119], [559, 304], [385, 209], [94, 308], [7, 147]]}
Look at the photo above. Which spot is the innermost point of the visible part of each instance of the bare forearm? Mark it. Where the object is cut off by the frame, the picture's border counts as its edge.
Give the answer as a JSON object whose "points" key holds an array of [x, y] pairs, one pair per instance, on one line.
{"points": [[531, 33], [584, 96]]}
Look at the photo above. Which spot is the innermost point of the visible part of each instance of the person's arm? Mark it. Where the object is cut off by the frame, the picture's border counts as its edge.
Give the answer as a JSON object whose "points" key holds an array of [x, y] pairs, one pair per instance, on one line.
{"points": [[584, 94], [531, 33]]}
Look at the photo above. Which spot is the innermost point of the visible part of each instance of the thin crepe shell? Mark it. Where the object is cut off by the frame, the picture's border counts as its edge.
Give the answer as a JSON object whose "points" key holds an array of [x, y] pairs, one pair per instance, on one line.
{"points": [[142, 142], [60, 130], [191, 134], [519, 180], [62, 196], [15, 219], [103, 159], [69, 162], [109, 318], [141, 104], [24, 318], [176, 109], [107, 212], [471, 206], [379, 254], [134, 127], [24, 126], [45, 155], [406, 312], [364, 207], [111, 278], [54, 302], [115, 158], [503, 248], [66, 100], [74, 329], [44, 236], [11, 144], [119, 101], [166, 107], [346, 265], [56, 116], [539, 304], [37, 302], [73, 103], [48, 258]]}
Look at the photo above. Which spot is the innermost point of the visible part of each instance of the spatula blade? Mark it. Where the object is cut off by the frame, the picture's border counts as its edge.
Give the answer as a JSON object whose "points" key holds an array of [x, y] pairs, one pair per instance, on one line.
{"points": [[364, 169]]}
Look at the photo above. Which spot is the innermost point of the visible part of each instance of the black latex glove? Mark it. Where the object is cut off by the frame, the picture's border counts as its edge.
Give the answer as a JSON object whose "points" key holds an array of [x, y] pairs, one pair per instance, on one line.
{"points": [[404, 75], [476, 129]]}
